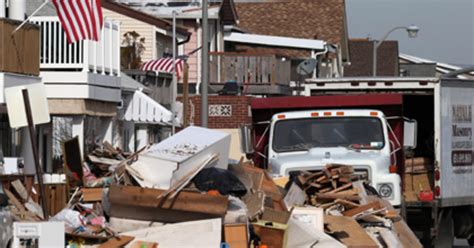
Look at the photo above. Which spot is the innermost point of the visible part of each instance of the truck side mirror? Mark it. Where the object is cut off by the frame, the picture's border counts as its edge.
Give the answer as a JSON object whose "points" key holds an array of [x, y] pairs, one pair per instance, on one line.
{"points": [[246, 139], [410, 132]]}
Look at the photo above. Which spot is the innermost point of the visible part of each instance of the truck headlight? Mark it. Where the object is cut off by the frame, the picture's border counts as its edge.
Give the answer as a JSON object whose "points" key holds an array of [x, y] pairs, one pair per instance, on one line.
{"points": [[385, 190]]}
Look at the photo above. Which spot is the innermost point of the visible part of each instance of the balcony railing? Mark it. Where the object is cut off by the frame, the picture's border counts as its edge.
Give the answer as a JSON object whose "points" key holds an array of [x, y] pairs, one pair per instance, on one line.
{"points": [[248, 68], [89, 56]]}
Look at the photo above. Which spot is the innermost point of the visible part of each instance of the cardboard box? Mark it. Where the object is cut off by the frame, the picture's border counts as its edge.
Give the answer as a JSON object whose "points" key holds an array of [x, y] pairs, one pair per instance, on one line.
{"points": [[236, 235], [271, 234]]}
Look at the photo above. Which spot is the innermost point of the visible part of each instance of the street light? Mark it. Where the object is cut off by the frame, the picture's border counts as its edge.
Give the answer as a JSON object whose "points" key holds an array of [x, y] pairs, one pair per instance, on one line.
{"points": [[412, 31]]}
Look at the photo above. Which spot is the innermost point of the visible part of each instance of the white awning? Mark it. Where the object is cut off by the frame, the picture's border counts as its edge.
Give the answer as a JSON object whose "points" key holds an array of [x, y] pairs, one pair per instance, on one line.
{"points": [[278, 41], [143, 109]]}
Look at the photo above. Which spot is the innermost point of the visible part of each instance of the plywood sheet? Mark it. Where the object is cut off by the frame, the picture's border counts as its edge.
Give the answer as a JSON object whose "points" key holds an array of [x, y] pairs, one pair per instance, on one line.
{"points": [[125, 197], [349, 232], [236, 235]]}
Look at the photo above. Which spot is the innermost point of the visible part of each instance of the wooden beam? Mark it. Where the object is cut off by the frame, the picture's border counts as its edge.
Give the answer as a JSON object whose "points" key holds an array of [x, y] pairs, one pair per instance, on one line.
{"points": [[360, 209], [185, 201], [92, 194]]}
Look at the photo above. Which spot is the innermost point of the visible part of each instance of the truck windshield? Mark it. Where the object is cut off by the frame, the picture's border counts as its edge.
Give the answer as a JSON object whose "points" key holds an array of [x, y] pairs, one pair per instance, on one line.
{"points": [[351, 132]]}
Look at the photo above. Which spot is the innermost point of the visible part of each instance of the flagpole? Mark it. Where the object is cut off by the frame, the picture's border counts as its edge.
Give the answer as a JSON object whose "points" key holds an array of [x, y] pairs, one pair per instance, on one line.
{"points": [[175, 83], [29, 17]]}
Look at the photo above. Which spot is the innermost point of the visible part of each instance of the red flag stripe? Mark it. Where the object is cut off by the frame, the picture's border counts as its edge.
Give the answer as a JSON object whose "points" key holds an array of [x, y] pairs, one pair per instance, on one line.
{"points": [[86, 15], [71, 19], [80, 19]]}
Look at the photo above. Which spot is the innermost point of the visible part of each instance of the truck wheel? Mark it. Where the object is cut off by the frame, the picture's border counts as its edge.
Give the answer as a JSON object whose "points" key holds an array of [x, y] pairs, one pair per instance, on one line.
{"points": [[445, 237]]}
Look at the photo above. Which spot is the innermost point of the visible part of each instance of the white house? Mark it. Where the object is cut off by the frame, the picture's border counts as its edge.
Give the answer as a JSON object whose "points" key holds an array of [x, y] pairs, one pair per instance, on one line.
{"points": [[84, 88]]}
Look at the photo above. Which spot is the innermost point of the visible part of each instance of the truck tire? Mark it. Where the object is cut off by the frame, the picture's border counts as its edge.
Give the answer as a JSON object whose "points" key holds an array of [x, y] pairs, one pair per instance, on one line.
{"points": [[445, 237]]}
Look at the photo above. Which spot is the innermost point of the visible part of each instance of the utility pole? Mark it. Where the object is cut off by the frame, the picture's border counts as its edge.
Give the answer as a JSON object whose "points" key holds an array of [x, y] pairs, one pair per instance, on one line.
{"points": [[205, 65]]}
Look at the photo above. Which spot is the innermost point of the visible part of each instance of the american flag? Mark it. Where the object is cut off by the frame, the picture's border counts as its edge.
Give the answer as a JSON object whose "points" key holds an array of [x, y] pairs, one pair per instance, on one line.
{"points": [[80, 19], [163, 65]]}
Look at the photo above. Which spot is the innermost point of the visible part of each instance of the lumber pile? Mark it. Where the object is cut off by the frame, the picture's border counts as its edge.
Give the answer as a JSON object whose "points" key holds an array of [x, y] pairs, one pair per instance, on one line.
{"points": [[354, 216], [332, 183]]}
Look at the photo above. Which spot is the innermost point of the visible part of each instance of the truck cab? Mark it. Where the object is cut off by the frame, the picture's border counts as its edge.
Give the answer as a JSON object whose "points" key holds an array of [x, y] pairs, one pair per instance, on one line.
{"points": [[308, 140]]}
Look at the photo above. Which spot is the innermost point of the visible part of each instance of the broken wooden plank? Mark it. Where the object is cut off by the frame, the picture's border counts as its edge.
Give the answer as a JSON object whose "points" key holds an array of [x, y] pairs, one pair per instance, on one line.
{"points": [[92, 194], [327, 196], [345, 179], [343, 187], [316, 185], [14, 200], [124, 198], [348, 192], [321, 178], [348, 231], [346, 204], [325, 190], [360, 209]]}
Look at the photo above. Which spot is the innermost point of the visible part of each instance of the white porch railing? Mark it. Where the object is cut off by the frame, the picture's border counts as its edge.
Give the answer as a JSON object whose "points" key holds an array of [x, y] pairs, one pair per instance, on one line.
{"points": [[91, 56]]}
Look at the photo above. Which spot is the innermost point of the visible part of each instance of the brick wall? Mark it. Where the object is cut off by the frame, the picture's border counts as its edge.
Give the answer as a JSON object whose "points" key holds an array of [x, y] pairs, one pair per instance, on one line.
{"points": [[225, 112]]}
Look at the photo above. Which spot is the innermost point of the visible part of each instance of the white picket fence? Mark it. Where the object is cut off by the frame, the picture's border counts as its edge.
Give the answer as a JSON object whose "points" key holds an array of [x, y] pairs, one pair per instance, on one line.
{"points": [[97, 57]]}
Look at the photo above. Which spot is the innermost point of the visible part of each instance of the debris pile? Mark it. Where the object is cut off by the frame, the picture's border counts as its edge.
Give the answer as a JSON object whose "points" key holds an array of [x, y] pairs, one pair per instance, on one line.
{"points": [[185, 192], [354, 214]]}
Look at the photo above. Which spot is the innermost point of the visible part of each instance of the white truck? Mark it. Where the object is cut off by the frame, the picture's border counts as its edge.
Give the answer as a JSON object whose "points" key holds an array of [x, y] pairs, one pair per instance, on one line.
{"points": [[371, 123]]}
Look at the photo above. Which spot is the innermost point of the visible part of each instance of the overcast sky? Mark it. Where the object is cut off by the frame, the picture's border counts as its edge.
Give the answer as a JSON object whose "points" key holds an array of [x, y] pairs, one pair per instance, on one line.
{"points": [[446, 26]]}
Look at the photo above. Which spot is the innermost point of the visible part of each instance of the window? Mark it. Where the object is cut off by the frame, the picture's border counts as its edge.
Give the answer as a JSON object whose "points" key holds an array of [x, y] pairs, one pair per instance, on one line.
{"points": [[303, 134]]}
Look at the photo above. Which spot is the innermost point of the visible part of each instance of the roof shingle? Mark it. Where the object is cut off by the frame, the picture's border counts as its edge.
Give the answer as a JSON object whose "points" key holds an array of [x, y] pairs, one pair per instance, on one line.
{"points": [[310, 19]]}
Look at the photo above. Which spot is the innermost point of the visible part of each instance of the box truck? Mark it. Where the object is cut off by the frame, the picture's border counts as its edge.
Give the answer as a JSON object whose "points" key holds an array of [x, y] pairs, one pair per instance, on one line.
{"points": [[411, 138]]}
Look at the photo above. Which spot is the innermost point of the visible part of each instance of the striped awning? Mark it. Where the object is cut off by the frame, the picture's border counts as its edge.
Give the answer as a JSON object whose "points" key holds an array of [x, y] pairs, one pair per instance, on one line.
{"points": [[163, 65]]}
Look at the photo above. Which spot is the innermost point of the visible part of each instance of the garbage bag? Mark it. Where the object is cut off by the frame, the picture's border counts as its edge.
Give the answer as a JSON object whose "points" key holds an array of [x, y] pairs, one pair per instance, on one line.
{"points": [[221, 180], [71, 218]]}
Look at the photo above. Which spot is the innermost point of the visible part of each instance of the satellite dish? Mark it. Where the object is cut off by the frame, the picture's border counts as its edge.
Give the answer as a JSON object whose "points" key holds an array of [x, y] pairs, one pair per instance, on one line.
{"points": [[306, 67]]}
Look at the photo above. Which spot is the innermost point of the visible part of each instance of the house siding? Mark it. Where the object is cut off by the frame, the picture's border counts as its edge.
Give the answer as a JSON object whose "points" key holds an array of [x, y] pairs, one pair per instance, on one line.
{"points": [[129, 24], [189, 47]]}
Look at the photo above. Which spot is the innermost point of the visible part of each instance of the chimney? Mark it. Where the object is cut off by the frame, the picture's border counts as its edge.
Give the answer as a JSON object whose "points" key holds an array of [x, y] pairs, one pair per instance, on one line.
{"points": [[17, 9]]}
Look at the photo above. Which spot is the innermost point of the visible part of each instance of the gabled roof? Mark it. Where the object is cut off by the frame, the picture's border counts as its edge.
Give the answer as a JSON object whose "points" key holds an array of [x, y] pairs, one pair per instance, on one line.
{"points": [[228, 12], [310, 19], [138, 15]]}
